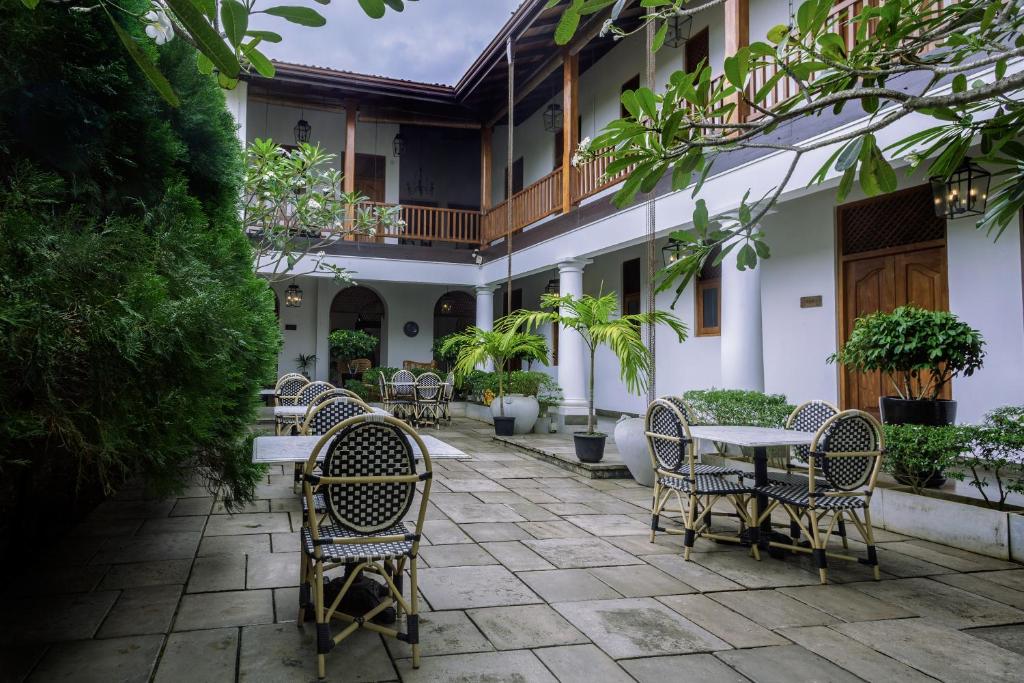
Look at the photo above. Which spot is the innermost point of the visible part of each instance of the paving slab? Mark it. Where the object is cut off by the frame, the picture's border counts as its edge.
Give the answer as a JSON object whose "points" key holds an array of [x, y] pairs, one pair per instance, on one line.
{"points": [[249, 523], [1008, 637], [456, 555], [286, 604], [582, 664], [516, 556], [554, 529], [567, 585], [854, 657], [481, 512], [283, 653], [217, 573], [468, 587], [220, 508], [941, 603], [18, 660], [692, 574], [572, 553], [532, 512], [745, 570], [845, 603], [1011, 579], [138, 574], [272, 570], [525, 626], [56, 580], [785, 664], [638, 627], [502, 531], [609, 525], [192, 506], [444, 531], [905, 566], [443, 633], [727, 624], [664, 544], [31, 618], [697, 668], [217, 610], [164, 525], [155, 547], [514, 666], [937, 650], [773, 609], [207, 656], [234, 545], [642, 581], [141, 611], [126, 660]]}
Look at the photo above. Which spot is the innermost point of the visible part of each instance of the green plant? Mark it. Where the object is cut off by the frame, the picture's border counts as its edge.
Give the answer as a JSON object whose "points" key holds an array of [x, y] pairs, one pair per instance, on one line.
{"points": [[362, 390], [997, 449], [304, 362], [920, 351], [592, 318], [916, 453], [550, 394], [349, 344], [737, 407], [497, 346], [446, 359]]}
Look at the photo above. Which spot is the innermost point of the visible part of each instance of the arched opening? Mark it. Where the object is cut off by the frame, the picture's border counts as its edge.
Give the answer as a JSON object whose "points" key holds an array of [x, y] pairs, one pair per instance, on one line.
{"points": [[453, 312], [358, 308]]}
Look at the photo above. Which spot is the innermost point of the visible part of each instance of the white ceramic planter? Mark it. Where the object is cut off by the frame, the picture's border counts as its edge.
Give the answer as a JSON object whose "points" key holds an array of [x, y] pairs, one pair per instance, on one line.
{"points": [[543, 425], [524, 409], [632, 445]]}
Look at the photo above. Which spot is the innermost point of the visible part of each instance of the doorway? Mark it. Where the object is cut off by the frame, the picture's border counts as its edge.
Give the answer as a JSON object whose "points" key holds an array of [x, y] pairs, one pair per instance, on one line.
{"points": [[358, 308], [892, 253]]}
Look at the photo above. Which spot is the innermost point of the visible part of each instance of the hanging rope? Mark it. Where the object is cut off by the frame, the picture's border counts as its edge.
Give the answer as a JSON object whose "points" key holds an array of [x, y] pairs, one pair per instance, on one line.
{"points": [[652, 263], [508, 171]]}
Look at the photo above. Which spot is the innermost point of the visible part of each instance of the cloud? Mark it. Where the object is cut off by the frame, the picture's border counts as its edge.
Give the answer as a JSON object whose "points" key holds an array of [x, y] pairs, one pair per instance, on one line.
{"points": [[432, 40]]}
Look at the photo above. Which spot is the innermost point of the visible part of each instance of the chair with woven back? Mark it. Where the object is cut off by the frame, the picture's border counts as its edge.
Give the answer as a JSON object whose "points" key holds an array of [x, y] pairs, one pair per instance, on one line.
{"points": [[369, 481], [447, 394], [428, 399], [336, 392], [288, 388], [695, 486], [311, 391], [847, 453], [402, 392]]}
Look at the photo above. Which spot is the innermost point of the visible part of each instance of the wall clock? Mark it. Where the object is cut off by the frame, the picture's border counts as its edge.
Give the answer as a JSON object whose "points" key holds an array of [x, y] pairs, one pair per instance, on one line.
{"points": [[411, 329]]}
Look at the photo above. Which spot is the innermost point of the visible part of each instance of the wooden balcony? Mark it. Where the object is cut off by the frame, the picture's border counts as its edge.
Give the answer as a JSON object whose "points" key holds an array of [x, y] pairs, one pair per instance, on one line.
{"points": [[533, 203], [432, 224]]}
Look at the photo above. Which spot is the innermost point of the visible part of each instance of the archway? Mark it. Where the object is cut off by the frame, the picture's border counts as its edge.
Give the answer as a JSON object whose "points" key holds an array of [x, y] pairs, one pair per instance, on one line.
{"points": [[359, 308], [453, 312]]}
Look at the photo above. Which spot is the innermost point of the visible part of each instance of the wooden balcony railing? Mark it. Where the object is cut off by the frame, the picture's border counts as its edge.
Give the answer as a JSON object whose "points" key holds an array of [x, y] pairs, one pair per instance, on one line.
{"points": [[533, 203], [433, 224], [590, 177]]}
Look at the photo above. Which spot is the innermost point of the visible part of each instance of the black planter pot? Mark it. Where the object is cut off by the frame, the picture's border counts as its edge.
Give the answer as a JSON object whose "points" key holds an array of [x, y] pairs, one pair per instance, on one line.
{"points": [[589, 447], [504, 426], [899, 411]]}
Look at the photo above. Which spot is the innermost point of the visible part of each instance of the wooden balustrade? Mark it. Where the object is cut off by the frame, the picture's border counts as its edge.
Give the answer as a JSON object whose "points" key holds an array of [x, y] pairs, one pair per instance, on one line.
{"points": [[533, 203], [591, 179], [432, 224]]}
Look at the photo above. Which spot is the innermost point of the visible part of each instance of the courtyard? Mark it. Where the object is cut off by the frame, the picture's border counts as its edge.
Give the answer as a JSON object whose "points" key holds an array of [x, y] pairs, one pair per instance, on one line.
{"points": [[528, 573]]}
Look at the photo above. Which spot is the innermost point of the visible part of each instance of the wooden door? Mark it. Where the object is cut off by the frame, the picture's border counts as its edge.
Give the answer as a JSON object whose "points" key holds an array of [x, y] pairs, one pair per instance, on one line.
{"points": [[370, 176], [696, 50]]}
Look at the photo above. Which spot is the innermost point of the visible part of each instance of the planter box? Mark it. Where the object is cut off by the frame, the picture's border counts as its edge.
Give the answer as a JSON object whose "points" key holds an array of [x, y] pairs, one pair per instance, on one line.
{"points": [[478, 411], [457, 408], [949, 522], [1016, 520]]}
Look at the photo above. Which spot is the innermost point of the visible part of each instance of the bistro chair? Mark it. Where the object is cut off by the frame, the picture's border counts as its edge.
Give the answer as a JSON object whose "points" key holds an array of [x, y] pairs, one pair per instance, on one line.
{"points": [[701, 468], [677, 473], [288, 388], [402, 393], [447, 394], [428, 399], [847, 452], [321, 417], [311, 391], [336, 392], [369, 481], [385, 393]]}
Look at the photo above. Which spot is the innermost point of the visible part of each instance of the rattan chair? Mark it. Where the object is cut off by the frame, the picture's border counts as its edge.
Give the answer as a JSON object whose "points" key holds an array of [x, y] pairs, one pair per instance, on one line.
{"points": [[337, 392], [288, 388], [446, 397], [847, 451], [369, 480], [428, 399], [677, 473], [402, 393], [311, 391], [385, 393], [702, 468], [322, 417]]}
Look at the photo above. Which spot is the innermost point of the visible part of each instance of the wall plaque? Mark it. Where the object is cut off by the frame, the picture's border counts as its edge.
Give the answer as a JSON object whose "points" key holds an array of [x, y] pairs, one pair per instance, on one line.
{"points": [[810, 301]]}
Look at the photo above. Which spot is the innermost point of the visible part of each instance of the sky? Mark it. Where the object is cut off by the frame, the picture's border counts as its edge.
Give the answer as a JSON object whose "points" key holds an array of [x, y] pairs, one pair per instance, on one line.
{"points": [[433, 41]]}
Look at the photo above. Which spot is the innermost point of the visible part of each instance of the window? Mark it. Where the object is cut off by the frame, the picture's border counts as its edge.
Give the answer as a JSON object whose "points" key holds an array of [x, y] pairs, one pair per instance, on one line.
{"points": [[631, 84], [709, 298], [696, 49], [631, 287]]}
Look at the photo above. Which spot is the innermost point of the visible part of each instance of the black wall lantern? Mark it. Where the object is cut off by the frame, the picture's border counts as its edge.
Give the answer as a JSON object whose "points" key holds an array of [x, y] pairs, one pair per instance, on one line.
{"points": [[293, 296], [553, 287], [964, 193], [553, 118], [678, 31], [671, 252], [302, 131], [398, 145]]}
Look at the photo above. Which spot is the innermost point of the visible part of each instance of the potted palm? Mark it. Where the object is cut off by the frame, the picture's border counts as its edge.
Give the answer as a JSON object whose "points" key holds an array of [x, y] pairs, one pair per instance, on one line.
{"points": [[594, 319], [477, 347]]}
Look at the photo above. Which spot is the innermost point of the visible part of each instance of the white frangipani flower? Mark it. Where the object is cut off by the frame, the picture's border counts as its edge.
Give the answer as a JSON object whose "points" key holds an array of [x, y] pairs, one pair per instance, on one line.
{"points": [[159, 27]]}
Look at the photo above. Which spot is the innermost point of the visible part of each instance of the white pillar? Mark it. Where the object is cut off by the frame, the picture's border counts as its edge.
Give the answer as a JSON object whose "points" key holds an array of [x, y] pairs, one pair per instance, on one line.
{"points": [[325, 292], [572, 352], [485, 313], [742, 345], [236, 101]]}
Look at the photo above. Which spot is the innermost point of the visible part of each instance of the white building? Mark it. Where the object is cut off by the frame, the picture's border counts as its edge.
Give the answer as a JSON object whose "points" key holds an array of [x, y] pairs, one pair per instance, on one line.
{"points": [[768, 329]]}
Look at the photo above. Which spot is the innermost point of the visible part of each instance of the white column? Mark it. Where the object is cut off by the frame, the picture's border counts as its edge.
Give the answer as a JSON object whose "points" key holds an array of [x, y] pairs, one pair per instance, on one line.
{"points": [[236, 101], [572, 352], [325, 292], [742, 346], [485, 313]]}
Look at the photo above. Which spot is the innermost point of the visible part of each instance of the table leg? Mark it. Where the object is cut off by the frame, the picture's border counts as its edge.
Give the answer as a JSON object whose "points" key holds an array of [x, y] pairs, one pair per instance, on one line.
{"points": [[761, 479]]}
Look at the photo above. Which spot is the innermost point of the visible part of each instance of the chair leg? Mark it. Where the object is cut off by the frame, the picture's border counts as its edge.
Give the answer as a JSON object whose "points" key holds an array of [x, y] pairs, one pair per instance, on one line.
{"points": [[323, 629], [870, 540], [304, 597], [841, 530], [413, 618], [818, 548], [655, 509], [690, 537]]}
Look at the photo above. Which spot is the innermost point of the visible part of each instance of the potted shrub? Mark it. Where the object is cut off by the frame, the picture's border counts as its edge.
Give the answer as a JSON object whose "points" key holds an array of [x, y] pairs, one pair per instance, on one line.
{"points": [[593, 318], [549, 396], [446, 358], [347, 345], [304, 362], [913, 453], [997, 451], [478, 347]]}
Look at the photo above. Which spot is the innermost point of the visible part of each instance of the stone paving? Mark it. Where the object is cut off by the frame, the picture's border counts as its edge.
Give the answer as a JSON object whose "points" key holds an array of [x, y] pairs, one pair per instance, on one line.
{"points": [[530, 573]]}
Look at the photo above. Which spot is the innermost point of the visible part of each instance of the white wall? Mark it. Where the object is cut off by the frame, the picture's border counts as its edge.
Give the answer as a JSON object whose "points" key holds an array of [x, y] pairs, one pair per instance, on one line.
{"points": [[303, 338], [764, 14]]}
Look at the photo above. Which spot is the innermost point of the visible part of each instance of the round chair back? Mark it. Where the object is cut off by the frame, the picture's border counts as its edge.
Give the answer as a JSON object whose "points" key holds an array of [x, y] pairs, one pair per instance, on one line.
{"points": [[337, 392], [325, 415], [667, 435], [289, 387], [382, 387], [375, 448], [839, 439], [287, 376], [808, 417], [311, 391], [449, 386], [428, 387], [682, 407], [403, 384]]}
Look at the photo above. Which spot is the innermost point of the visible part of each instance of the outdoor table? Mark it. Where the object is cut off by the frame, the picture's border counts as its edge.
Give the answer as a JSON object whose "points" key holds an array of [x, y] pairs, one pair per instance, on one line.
{"points": [[760, 439], [277, 450], [268, 396]]}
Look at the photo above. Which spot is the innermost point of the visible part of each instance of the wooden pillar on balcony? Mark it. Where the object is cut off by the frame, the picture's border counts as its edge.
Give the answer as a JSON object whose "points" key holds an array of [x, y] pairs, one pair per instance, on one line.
{"points": [[349, 163], [570, 131], [737, 35], [486, 165]]}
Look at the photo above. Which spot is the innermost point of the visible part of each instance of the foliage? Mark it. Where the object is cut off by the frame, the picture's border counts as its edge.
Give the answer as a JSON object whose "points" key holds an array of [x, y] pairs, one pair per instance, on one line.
{"points": [[362, 390], [479, 347], [592, 318], [915, 453], [293, 208], [524, 382], [920, 351], [949, 62], [738, 407], [447, 358], [370, 385], [304, 362], [218, 30], [349, 344], [550, 394], [997, 449]]}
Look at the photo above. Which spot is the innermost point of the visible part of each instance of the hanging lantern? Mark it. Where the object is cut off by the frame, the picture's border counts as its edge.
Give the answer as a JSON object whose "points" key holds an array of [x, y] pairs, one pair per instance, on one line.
{"points": [[671, 252], [398, 145], [964, 193], [678, 31], [302, 131], [446, 306], [293, 296], [553, 118], [552, 287]]}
